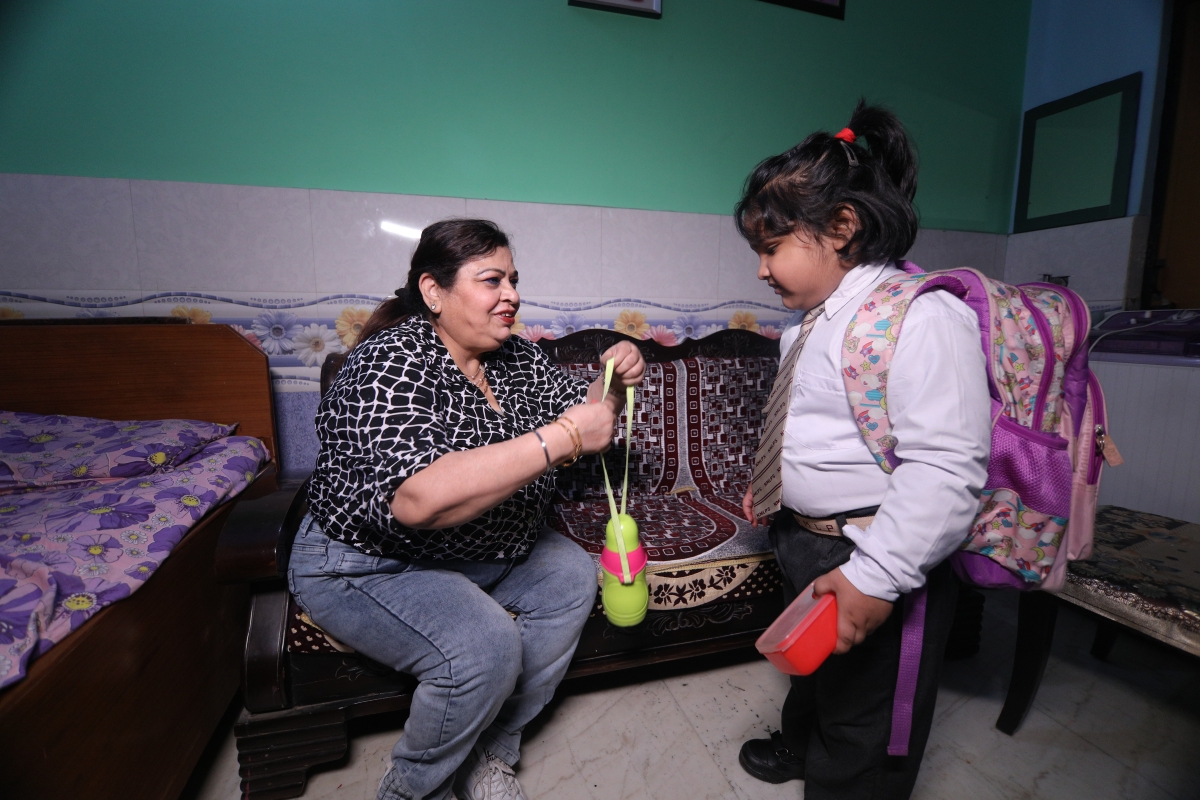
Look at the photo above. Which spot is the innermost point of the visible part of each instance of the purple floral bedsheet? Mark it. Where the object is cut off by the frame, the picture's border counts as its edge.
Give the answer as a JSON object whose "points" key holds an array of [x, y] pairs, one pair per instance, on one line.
{"points": [[73, 546]]}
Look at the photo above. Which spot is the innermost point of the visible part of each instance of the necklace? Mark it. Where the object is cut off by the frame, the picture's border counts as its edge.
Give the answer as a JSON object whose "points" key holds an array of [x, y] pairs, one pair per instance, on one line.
{"points": [[475, 379]]}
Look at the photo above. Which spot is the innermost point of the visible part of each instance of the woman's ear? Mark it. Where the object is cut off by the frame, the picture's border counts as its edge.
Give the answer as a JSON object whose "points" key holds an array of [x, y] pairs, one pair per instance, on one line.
{"points": [[430, 291]]}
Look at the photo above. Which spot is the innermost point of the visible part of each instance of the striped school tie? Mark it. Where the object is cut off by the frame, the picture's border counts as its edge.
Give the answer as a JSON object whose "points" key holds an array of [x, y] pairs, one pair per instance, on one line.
{"points": [[767, 485]]}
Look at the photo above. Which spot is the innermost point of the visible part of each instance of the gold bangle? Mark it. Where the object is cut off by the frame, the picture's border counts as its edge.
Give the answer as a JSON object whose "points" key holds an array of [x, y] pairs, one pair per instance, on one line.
{"points": [[573, 434], [576, 436]]}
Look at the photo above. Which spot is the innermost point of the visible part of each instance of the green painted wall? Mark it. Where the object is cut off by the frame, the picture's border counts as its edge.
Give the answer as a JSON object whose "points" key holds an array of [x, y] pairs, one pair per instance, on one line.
{"points": [[517, 100]]}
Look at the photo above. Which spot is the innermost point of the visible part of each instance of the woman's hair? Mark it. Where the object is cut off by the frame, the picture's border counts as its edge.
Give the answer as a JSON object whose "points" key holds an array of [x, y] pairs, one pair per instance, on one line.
{"points": [[871, 168], [444, 247]]}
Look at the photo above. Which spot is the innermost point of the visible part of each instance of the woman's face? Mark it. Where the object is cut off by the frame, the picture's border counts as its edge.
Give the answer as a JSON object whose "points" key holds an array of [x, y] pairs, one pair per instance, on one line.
{"points": [[477, 313], [803, 270]]}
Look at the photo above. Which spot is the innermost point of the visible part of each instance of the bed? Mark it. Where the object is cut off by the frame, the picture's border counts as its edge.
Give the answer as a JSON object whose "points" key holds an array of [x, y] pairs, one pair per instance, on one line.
{"points": [[124, 705]]}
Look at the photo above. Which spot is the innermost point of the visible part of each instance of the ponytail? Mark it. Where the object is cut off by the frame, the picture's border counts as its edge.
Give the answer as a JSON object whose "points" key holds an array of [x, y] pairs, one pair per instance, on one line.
{"points": [[870, 166], [390, 313], [444, 248]]}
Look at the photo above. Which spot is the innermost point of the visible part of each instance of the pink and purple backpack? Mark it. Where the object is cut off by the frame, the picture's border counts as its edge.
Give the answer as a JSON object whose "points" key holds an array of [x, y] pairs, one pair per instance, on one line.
{"points": [[1049, 438]]}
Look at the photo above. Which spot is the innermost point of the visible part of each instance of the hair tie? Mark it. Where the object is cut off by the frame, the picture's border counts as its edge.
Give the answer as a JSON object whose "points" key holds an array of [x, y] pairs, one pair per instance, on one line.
{"points": [[846, 135], [401, 292]]}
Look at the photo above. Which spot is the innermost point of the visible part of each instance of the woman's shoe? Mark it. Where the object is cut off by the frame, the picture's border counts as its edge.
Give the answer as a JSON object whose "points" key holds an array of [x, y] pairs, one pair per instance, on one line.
{"points": [[484, 776], [769, 760]]}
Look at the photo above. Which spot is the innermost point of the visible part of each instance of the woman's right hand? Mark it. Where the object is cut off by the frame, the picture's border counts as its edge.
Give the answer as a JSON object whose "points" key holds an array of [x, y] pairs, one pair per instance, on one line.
{"points": [[595, 422]]}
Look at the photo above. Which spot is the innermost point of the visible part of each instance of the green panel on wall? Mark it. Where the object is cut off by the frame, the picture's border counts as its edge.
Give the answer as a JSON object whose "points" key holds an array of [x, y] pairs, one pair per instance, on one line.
{"points": [[1074, 158], [530, 100]]}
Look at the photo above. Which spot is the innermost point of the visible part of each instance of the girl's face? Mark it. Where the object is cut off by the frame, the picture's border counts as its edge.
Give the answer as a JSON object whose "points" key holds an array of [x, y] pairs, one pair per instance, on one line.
{"points": [[803, 270], [477, 313]]}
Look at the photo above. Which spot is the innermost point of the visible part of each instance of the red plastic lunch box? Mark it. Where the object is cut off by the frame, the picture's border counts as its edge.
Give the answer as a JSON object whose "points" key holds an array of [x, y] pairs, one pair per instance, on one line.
{"points": [[803, 636]]}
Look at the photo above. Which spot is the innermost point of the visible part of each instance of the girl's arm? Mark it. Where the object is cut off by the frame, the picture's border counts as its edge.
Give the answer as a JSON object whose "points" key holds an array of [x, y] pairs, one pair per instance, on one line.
{"points": [[939, 407], [459, 486]]}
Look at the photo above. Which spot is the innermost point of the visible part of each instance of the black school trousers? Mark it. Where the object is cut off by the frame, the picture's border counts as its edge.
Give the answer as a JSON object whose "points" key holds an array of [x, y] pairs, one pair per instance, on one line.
{"points": [[840, 717]]}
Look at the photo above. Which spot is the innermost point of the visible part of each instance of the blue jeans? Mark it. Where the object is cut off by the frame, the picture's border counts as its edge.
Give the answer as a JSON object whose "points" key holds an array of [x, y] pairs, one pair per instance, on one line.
{"points": [[483, 674]]}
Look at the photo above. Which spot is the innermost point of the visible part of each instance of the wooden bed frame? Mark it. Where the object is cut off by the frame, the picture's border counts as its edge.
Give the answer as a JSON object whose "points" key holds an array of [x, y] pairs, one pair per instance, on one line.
{"points": [[124, 706]]}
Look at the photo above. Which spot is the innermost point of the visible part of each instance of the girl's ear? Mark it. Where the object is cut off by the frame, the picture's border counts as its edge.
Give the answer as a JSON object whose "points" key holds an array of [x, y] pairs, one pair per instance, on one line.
{"points": [[845, 225]]}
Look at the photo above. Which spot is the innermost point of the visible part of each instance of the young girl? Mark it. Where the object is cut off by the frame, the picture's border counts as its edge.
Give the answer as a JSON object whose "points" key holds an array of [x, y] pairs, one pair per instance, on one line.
{"points": [[829, 218]]}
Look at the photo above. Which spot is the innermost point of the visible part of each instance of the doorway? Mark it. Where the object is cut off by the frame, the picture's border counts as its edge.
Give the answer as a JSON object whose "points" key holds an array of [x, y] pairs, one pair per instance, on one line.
{"points": [[1174, 280]]}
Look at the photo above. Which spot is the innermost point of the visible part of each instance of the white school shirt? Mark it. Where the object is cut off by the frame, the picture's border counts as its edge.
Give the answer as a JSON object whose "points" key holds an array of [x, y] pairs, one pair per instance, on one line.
{"points": [[938, 403]]}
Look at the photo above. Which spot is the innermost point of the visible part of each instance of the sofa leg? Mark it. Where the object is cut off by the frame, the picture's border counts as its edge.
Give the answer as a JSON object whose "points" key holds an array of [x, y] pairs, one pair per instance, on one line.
{"points": [[276, 751], [1106, 637], [1036, 615]]}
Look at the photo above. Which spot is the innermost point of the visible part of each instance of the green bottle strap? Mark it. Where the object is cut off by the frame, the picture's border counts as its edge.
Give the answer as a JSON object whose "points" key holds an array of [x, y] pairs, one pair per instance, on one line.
{"points": [[618, 530]]}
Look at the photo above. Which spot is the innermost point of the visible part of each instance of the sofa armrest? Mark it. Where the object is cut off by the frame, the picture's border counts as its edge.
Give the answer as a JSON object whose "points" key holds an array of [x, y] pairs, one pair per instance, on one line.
{"points": [[257, 538]]}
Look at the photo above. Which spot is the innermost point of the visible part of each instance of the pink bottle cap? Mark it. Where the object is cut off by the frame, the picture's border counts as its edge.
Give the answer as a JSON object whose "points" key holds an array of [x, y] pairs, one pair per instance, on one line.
{"points": [[610, 560]]}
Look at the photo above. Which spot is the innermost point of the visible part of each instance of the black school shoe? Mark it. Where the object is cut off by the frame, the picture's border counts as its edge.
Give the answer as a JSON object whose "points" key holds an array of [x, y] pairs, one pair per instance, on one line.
{"points": [[769, 760]]}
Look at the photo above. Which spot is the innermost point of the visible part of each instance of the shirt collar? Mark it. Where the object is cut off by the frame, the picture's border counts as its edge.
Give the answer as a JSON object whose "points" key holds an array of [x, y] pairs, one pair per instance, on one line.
{"points": [[494, 361], [853, 282]]}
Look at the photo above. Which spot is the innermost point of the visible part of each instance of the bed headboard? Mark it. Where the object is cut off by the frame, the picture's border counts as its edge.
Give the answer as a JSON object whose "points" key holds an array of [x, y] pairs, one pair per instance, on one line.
{"points": [[128, 371]]}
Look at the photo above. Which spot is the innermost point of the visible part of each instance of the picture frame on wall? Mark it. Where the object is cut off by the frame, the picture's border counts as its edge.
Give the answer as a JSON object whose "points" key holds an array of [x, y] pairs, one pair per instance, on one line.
{"points": [[1077, 157], [651, 9], [826, 8]]}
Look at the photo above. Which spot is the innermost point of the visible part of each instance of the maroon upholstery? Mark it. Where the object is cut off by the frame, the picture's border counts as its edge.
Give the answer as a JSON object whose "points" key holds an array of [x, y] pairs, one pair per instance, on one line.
{"points": [[694, 436]]}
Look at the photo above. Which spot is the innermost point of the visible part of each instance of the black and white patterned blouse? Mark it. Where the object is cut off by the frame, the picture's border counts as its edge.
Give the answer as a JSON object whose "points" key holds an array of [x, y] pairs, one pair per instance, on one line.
{"points": [[398, 403]]}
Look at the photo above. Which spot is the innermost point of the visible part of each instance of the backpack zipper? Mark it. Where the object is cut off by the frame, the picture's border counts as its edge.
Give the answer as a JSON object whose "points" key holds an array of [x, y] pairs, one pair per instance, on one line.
{"points": [[1099, 429]]}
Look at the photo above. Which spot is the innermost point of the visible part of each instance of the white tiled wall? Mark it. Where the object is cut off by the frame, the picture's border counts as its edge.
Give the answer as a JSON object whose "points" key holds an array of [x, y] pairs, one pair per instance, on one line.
{"points": [[67, 233], [1155, 422], [1103, 259], [98, 234], [250, 255]]}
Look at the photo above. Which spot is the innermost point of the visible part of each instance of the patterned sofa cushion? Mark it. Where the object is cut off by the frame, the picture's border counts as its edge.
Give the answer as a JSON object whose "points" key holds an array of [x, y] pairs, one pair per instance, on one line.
{"points": [[696, 429]]}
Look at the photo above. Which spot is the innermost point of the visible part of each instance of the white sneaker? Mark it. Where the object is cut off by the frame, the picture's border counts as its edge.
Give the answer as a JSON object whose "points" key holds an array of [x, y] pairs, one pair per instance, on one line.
{"points": [[484, 776]]}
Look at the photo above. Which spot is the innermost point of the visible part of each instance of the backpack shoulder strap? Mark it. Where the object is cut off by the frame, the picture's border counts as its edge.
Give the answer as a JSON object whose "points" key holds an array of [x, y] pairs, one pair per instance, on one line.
{"points": [[870, 343], [867, 350]]}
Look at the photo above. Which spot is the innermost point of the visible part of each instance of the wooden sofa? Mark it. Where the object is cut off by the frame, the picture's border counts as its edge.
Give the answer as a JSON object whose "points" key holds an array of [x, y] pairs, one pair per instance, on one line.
{"points": [[125, 705], [714, 585]]}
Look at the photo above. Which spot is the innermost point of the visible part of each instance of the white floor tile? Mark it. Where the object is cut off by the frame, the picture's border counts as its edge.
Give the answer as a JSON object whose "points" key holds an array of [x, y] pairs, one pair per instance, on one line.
{"points": [[1125, 728], [968, 758], [727, 706]]}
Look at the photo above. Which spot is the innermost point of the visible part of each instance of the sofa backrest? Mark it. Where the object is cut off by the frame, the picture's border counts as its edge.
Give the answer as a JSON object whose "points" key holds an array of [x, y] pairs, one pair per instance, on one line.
{"points": [[699, 411]]}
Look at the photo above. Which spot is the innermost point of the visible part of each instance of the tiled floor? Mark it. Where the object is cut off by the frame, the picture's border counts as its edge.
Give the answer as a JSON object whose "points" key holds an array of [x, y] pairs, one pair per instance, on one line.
{"points": [[1125, 728]]}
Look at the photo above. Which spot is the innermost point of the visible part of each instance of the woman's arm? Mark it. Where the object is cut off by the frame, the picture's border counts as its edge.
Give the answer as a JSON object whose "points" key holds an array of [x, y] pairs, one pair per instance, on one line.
{"points": [[459, 486]]}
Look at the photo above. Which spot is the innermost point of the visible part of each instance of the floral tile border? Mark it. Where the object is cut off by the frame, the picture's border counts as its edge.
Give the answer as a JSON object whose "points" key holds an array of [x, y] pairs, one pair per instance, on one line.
{"points": [[298, 330]]}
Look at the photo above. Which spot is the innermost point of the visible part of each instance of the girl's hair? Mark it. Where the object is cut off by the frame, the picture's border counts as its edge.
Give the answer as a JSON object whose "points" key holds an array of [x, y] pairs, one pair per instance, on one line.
{"points": [[806, 188], [444, 247]]}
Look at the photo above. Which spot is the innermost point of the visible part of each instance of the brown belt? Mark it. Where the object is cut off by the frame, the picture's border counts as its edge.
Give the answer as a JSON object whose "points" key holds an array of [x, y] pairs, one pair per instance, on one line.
{"points": [[832, 526]]}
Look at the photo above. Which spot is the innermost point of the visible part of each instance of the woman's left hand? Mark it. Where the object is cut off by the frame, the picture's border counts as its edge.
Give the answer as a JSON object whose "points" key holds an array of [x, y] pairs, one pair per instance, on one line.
{"points": [[629, 368]]}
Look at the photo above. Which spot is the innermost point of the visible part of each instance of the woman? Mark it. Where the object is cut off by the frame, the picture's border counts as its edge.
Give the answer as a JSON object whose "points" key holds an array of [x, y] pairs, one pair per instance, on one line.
{"points": [[425, 547]]}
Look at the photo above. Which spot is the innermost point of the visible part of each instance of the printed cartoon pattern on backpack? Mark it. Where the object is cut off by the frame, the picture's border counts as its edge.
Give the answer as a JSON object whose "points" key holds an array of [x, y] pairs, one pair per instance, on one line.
{"points": [[1042, 470], [1026, 540]]}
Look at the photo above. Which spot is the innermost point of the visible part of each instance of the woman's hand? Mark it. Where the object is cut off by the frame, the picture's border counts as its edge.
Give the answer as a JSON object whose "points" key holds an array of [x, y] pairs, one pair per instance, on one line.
{"points": [[858, 614], [629, 368], [595, 422]]}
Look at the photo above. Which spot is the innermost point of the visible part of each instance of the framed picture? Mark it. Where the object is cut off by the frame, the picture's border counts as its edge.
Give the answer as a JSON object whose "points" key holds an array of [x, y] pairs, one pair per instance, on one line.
{"points": [[826, 8], [1076, 157], [638, 8]]}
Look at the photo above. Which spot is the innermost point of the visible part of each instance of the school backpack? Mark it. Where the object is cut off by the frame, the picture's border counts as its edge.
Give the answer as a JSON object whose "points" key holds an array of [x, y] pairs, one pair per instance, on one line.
{"points": [[1049, 429]]}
